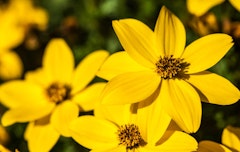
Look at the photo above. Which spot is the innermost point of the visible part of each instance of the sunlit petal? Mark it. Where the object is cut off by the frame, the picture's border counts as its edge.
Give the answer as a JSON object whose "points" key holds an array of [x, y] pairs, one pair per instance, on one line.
{"points": [[94, 133], [231, 137], [206, 51], [211, 146], [88, 98], [137, 40], [118, 63], [200, 7], [236, 4], [182, 103], [170, 32], [62, 115], [26, 113], [130, 87], [87, 69], [177, 141], [41, 138], [58, 61], [214, 88], [38, 77], [152, 119], [21, 93]]}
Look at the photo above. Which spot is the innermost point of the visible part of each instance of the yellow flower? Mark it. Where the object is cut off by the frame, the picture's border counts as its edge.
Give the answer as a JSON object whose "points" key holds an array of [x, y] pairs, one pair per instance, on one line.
{"points": [[211, 146], [117, 129], [231, 138], [157, 62], [200, 7], [52, 96]]}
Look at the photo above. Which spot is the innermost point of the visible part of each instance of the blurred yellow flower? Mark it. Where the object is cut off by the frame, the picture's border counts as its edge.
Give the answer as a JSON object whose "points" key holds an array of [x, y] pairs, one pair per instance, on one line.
{"points": [[231, 138], [53, 95], [200, 7], [157, 63], [116, 128]]}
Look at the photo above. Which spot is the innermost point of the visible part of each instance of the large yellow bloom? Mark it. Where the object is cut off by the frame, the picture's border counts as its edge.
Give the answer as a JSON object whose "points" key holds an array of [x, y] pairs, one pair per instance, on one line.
{"points": [[52, 96], [157, 62], [200, 7], [117, 129]]}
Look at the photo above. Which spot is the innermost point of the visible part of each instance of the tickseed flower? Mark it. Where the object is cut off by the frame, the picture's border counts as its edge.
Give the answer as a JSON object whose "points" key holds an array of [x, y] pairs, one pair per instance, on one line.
{"points": [[211, 146], [156, 63], [50, 97], [231, 138], [200, 7], [116, 128]]}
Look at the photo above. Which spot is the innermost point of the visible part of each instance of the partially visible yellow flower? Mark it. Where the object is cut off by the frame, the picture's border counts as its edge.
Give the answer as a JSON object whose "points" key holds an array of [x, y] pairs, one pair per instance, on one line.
{"points": [[211, 146], [156, 63], [117, 129], [50, 97], [231, 138], [200, 7]]}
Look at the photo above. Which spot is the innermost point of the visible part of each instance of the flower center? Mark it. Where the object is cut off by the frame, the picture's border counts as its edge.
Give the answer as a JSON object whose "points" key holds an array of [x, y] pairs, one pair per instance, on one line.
{"points": [[170, 67], [58, 92], [129, 136]]}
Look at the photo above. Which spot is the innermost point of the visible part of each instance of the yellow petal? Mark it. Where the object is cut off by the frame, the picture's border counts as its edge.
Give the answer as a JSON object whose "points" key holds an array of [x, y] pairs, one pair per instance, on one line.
{"points": [[11, 66], [38, 77], [231, 137], [26, 113], [236, 4], [178, 93], [118, 63], [41, 138], [94, 133], [137, 40], [152, 119], [130, 87], [58, 61], [3, 149], [177, 141], [62, 115], [200, 7], [87, 70], [206, 51], [118, 114], [210, 146], [170, 32], [214, 88], [20, 93], [89, 98]]}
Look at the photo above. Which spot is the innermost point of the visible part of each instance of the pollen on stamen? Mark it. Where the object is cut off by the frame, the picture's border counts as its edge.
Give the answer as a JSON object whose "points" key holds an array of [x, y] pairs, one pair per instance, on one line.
{"points": [[130, 136], [170, 67], [58, 92]]}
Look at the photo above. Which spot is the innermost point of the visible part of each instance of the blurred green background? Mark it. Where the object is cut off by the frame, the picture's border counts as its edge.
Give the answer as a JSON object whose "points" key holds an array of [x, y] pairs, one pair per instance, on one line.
{"points": [[86, 25]]}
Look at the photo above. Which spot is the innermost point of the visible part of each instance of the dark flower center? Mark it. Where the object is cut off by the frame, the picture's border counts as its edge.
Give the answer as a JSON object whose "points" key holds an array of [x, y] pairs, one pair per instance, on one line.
{"points": [[170, 67], [129, 136], [58, 92]]}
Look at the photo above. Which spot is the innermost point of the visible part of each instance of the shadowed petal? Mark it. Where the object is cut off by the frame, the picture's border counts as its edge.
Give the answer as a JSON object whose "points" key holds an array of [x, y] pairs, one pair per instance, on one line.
{"points": [[215, 89], [26, 113], [206, 51], [137, 40], [182, 103], [87, 69], [231, 137], [62, 115], [94, 133], [170, 32], [210, 146], [41, 138], [130, 87], [118, 63], [88, 98], [58, 61]]}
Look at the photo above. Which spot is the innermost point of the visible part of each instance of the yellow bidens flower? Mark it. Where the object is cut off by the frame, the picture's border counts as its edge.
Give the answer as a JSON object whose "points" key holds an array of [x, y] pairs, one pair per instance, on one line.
{"points": [[156, 63], [53, 95], [116, 128], [211, 146], [200, 7]]}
